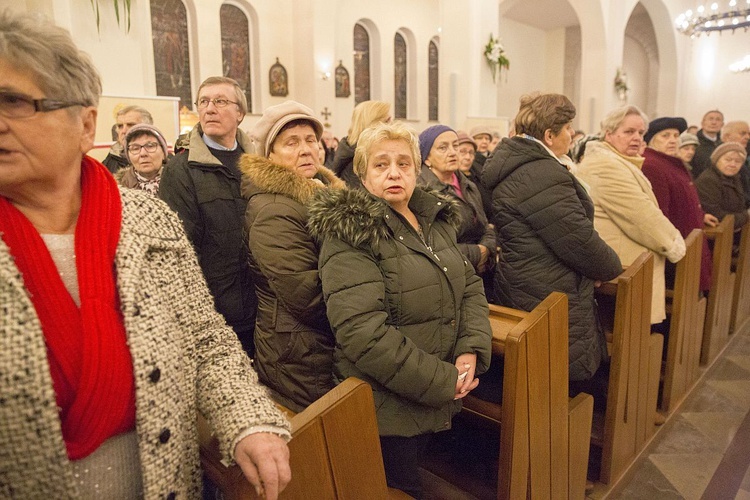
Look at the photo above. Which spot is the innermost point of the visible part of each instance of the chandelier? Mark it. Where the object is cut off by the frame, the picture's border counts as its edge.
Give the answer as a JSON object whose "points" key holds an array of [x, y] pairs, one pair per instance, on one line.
{"points": [[706, 19]]}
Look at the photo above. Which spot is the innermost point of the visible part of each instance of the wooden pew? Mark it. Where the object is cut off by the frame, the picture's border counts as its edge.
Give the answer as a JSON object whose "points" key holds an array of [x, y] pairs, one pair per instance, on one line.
{"points": [[544, 436], [687, 309], [334, 451], [719, 306], [635, 364], [741, 301]]}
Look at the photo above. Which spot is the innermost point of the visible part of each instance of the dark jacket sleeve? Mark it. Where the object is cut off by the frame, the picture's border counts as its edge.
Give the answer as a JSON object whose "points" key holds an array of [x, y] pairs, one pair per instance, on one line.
{"points": [[475, 334], [355, 298], [288, 258], [177, 189], [556, 214]]}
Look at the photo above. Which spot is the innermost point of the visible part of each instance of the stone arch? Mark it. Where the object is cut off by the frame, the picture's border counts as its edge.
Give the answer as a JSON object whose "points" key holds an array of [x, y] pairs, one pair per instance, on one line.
{"points": [[666, 45]]}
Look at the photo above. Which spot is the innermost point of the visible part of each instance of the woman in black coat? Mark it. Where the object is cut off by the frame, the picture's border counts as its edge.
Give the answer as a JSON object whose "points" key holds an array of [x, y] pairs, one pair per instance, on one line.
{"points": [[438, 146], [544, 219]]}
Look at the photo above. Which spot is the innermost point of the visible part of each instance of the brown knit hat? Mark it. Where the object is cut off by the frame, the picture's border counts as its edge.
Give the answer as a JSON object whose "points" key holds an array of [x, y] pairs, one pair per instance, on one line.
{"points": [[725, 148]]}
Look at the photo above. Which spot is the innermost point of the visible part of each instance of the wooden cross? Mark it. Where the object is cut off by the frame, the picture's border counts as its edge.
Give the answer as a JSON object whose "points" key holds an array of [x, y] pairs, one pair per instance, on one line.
{"points": [[326, 114]]}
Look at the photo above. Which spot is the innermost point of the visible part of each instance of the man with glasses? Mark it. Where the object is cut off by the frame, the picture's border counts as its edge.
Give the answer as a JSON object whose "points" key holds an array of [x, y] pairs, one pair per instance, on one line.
{"points": [[202, 184], [127, 118]]}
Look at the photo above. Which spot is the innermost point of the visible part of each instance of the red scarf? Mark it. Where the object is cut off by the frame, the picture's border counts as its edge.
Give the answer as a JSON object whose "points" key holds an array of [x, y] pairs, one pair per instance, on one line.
{"points": [[88, 356]]}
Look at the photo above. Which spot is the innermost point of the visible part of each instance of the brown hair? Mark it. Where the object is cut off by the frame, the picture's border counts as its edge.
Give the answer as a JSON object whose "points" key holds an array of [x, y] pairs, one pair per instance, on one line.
{"points": [[540, 112]]}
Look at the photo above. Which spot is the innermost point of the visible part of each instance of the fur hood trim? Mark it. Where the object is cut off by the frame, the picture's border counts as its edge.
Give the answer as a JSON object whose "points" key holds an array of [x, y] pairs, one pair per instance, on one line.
{"points": [[261, 175], [358, 218]]}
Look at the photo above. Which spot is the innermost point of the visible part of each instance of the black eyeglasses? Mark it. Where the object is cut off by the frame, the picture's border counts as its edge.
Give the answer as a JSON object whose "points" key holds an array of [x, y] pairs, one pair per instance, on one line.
{"points": [[14, 105], [203, 102], [150, 147]]}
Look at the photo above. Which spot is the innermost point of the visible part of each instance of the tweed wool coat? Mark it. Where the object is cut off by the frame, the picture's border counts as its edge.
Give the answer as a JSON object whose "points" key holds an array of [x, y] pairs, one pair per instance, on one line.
{"points": [[544, 221], [402, 312], [185, 360], [293, 340], [627, 215]]}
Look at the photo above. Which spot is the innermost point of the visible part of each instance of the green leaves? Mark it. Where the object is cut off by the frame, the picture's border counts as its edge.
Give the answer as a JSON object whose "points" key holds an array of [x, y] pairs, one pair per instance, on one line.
{"points": [[119, 5]]}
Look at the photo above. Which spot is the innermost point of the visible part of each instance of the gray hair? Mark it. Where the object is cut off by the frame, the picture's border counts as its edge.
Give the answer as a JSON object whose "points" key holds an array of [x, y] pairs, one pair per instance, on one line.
{"points": [[31, 43], [239, 94], [614, 118], [145, 115]]}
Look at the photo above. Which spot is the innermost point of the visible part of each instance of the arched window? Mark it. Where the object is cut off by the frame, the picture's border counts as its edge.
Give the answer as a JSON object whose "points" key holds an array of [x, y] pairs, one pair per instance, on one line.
{"points": [[399, 71], [432, 79], [361, 64], [235, 47], [169, 28]]}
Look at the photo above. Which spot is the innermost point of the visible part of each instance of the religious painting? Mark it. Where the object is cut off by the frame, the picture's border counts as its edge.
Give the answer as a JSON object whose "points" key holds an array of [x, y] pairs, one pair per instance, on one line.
{"points": [[169, 28], [399, 49], [361, 41], [235, 47], [432, 78], [342, 81], [278, 81]]}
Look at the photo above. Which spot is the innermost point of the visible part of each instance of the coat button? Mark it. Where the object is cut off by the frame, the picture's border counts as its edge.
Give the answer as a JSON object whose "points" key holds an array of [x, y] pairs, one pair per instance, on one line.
{"points": [[155, 375], [440, 203], [172, 495], [401, 238], [164, 436], [445, 269]]}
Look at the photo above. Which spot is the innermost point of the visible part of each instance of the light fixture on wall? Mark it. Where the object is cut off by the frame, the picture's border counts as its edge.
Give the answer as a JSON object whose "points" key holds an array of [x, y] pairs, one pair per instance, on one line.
{"points": [[740, 66], [713, 17], [325, 75]]}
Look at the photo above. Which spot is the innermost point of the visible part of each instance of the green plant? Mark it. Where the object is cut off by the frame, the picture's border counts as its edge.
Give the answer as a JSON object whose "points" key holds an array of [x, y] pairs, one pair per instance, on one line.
{"points": [[118, 5], [494, 54]]}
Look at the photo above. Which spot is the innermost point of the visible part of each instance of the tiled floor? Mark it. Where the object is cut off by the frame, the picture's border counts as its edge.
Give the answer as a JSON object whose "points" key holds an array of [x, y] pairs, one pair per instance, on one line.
{"points": [[703, 451]]}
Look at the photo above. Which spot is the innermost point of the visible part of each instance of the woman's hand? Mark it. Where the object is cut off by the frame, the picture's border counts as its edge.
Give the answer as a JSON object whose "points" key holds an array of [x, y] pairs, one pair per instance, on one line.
{"points": [[264, 459], [484, 254], [710, 220], [466, 364]]}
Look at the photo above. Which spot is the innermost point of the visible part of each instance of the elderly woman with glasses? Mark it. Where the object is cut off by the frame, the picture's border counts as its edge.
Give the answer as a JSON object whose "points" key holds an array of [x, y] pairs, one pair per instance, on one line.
{"points": [[110, 342], [407, 308], [545, 223], [147, 152]]}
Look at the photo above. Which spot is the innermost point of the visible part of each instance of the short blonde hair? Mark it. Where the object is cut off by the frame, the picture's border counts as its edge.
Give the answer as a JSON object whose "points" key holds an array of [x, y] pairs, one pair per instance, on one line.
{"points": [[614, 118], [366, 114], [376, 134], [48, 52]]}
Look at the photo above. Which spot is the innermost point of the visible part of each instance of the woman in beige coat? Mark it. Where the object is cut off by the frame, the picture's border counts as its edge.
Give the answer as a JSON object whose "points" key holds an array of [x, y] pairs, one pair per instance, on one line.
{"points": [[627, 215]]}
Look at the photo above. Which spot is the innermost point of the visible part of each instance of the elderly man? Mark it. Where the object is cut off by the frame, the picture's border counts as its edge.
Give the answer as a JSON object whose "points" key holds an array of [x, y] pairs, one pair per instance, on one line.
{"points": [[709, 138], [202, 184], [127, 118], [739, 131]]}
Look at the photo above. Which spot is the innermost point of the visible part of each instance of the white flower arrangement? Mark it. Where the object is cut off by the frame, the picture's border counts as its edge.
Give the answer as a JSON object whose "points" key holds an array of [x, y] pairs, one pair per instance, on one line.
{"points": [[621, 84], [494, 54]]}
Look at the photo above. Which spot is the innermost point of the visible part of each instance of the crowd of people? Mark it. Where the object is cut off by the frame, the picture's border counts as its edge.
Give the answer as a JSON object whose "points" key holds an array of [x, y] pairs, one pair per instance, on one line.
{"points": [[261, 267]]}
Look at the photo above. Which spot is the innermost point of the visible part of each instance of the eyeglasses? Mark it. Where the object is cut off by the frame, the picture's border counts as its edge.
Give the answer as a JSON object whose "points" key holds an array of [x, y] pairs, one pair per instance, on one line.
{"points": [[13, 105], [150, 147], [203, 102]]}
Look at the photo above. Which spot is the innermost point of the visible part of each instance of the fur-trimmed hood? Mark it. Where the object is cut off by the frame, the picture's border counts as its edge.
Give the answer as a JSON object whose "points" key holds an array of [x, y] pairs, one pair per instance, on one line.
{"points": [[360, 218], [261, 175]]}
